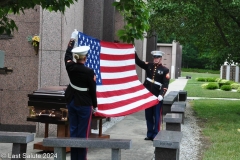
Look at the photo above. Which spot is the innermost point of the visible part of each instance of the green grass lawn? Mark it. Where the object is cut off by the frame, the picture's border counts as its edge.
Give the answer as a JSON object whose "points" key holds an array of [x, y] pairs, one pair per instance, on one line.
{"points": [[219, 119], [194, 88], [198, 75]]}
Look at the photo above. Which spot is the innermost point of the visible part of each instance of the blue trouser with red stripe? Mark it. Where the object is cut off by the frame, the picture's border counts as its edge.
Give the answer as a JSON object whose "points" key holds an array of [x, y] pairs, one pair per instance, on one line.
{"points": [[153, 119], [80, 122]]}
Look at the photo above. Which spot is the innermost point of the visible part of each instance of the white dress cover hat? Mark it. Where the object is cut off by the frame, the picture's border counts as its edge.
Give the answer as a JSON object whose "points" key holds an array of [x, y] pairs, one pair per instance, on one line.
{"points": [[157, 53], [82, 50]]}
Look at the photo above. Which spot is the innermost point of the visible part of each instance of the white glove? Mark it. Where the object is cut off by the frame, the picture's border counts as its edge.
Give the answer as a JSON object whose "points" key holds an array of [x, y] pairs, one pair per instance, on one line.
{"points": [[160, 98], [94, 110], [74, 34]]}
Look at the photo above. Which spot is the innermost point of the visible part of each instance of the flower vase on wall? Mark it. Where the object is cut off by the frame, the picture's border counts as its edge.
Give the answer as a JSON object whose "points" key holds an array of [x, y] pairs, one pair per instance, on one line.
{"points": [[35, 40], [36, 49]]}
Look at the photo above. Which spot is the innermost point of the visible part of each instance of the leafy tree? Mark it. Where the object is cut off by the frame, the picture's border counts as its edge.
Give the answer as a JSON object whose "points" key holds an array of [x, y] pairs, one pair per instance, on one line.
{"points": [[136, 14], [212, 26], [7, 7]]}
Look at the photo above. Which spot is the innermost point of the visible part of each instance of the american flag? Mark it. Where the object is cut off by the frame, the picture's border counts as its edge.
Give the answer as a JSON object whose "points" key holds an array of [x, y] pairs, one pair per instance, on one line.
{"points": [[119, 92]]}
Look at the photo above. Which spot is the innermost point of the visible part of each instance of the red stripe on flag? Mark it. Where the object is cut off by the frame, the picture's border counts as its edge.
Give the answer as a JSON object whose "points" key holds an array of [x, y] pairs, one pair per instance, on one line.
{"points": [[117, 69], [130, 111], [116, 57], [119, 80], [119, 92], [123, 102], [116, 45]]}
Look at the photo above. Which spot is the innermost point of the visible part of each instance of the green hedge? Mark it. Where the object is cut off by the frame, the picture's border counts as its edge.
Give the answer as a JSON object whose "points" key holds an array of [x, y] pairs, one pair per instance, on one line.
{"points": [[204, 86], [211, 79], [201, 79], [223, 82], [212, 85], [235, 85], [226, 87], [208, 79], [238, 90]]}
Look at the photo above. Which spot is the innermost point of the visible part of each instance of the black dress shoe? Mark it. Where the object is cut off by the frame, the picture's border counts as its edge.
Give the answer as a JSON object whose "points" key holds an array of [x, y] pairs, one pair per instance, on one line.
{"points": [[148, 139]]}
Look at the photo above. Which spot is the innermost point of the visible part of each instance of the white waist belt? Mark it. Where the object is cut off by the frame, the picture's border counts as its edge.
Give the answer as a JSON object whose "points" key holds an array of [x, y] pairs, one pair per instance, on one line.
{"points": [[157, 83], [78, 88]]}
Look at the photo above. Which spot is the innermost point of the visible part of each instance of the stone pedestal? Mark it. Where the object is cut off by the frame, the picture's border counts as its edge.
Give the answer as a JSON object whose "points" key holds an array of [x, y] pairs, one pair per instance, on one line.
{"points": [[179, 107], [182, 95], [173, 121], [167, 145], [167, 103]]}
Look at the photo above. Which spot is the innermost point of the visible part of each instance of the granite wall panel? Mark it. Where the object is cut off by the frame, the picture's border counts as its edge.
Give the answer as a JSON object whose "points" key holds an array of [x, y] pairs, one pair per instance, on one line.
{"points": [[51, 30], [93, 18], [20, 56], [108, 21], [50, 68], [72, 19], [29, 16], [15, 108], [24, 75]]}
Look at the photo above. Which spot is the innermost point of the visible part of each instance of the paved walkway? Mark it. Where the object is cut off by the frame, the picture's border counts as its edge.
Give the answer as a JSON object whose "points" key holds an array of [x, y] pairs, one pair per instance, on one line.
{"points": [[129, 127]]}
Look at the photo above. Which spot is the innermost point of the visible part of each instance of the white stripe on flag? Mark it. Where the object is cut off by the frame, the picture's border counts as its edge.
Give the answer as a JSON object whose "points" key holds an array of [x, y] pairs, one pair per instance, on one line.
{"points": [[127, 107], [113, 51], [120, 63], [116, 87], [118, 75], [119, 98]]}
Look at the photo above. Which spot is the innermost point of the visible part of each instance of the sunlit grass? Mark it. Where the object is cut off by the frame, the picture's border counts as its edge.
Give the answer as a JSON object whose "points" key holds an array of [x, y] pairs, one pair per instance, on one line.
{"points": [[221, 123], [220, 119], [194, 88]]}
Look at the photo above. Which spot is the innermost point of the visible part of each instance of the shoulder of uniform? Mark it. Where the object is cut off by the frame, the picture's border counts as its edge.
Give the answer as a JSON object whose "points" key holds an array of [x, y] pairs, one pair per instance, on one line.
{"points": [[164, 67], [88, 68]]}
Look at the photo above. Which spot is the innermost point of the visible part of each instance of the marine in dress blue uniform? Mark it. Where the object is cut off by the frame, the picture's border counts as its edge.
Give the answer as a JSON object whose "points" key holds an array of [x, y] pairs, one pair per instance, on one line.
{"points": [[156, 82], [80, 94]]}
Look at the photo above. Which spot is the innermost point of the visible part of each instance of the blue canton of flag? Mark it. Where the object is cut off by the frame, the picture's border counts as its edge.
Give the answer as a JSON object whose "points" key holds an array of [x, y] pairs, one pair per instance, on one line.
{"points": [[93, 59]]}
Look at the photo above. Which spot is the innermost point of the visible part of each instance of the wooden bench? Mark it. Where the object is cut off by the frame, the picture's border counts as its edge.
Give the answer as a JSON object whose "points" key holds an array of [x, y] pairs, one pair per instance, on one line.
{"points": [[60, 145], [167, 145], [19, 141]]}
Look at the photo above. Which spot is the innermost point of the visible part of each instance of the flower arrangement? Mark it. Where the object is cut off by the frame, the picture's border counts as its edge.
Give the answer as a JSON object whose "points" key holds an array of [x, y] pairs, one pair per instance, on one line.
{"points": [[34, 40]]}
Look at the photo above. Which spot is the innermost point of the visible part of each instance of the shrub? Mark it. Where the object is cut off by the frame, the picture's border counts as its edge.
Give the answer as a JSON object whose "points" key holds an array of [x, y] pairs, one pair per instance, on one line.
{"points": [[212, 85], [218, 80], [223, 82], [238, 90], [235, 85], [201, 79], [210, 79], [204, 86], [231, 82], [226, 87]]}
